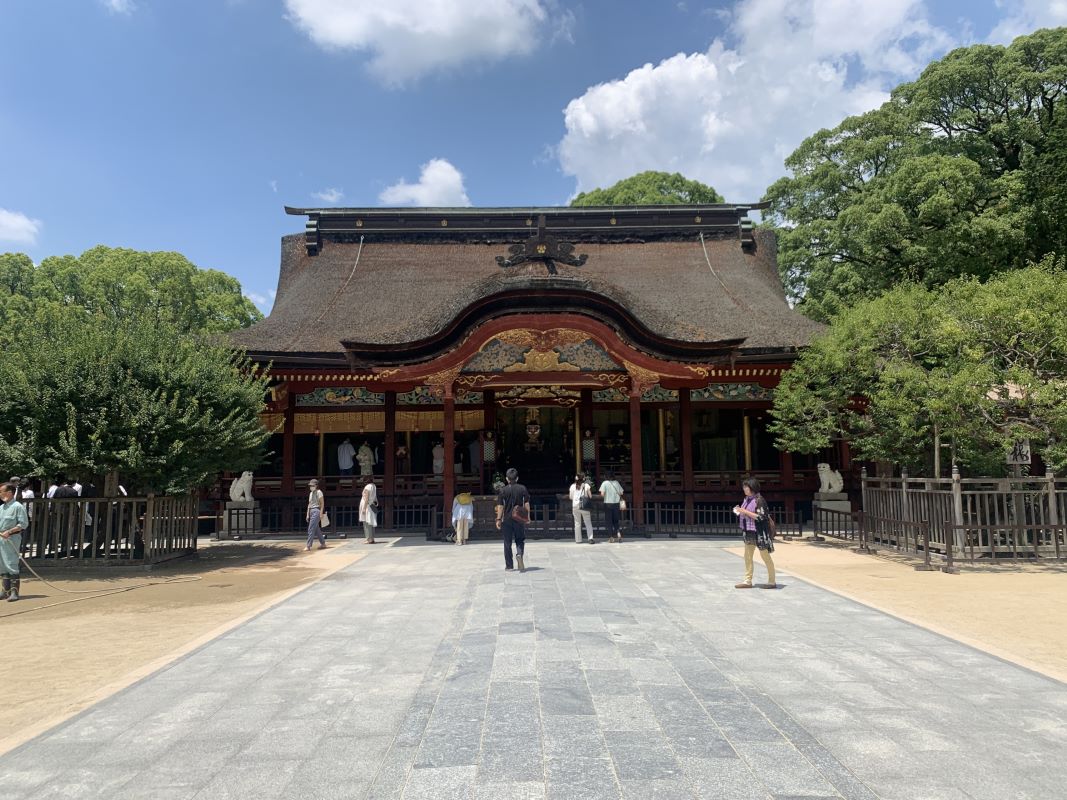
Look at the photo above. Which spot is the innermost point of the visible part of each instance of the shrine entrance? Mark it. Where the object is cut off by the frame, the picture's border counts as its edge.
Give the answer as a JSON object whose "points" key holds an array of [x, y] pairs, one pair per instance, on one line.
{"points": [[539, 442]]}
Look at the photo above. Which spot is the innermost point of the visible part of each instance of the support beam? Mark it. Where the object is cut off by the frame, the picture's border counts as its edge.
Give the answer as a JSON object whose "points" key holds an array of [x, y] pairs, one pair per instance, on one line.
{"points": [[289, 446], [390, 459], [449, 487], [637, 474], [685, 435], [747, 433]]}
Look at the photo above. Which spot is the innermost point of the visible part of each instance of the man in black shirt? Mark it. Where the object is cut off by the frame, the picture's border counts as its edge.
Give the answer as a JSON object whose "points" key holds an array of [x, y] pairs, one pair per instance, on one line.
{"points": [[513, 496]]}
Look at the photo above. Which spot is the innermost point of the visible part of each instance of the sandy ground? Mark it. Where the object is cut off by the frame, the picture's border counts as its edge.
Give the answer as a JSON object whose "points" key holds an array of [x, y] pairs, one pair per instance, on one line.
{"points": [[72, 655], [1016, 612]]}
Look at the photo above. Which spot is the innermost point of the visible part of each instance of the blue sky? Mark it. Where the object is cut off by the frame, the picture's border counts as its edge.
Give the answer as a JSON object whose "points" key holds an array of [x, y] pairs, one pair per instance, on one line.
{"points": [[165, 125]]}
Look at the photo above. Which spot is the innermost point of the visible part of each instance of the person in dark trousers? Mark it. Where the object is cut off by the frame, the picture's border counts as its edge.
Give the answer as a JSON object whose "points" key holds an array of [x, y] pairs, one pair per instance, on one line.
{"points": [[513, 496]]}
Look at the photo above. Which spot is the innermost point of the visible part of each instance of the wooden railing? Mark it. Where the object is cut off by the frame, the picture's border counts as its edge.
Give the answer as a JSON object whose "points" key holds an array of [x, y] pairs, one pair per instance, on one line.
{"points": [[106, 530]]}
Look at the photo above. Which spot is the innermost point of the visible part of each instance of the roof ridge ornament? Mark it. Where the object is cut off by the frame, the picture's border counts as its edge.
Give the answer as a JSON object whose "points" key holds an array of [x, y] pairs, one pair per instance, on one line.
{"points": [[542, 246]]}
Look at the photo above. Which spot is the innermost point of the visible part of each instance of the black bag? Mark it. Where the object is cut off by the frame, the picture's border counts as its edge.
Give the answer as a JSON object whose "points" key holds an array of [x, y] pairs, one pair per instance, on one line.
{"points": [[585, 502]]}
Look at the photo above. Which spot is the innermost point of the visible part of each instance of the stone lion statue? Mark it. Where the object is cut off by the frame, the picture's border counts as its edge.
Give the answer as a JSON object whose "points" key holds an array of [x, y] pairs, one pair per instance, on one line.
{"points": [[830, 480], [241, 488]]}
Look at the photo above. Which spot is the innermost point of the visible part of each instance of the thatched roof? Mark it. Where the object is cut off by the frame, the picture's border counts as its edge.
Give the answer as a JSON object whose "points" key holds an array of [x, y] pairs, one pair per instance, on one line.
{"points": [[399, 287]]}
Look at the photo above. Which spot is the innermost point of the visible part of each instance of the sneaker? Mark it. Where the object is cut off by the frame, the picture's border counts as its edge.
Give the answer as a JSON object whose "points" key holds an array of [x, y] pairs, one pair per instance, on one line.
{"points": [[742, 585], [508, 569], [768, 586], [592, 541], [522, 567]]}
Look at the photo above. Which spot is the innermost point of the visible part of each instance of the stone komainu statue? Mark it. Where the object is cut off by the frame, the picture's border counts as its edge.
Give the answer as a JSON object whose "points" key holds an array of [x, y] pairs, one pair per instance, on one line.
{"points": [[830, 480], [241, 488]]}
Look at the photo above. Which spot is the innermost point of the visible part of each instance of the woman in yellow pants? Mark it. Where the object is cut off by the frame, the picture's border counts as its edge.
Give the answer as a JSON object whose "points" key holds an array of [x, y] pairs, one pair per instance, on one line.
{"points": [[752, 516]]}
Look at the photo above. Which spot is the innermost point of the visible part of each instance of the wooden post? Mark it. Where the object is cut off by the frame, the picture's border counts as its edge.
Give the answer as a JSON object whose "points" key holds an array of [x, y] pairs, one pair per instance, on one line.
{"points": [[149, 532], [322, 455], [449, 486], [289, 445], [747, 434], [390, 460], [863, 490], [937, 451], [636, 467], [786, 462], [1053, 511], [662, 442], [685, 435], [905, 502], [577, 442]]}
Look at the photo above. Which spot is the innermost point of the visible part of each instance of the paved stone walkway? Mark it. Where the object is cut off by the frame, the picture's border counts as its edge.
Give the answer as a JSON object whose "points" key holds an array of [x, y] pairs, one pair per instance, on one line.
{"points": [[632, 671]]}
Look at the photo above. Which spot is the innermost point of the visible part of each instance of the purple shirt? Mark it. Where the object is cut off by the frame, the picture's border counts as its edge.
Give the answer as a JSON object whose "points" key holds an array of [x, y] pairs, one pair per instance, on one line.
{"points": [[749, 504]]}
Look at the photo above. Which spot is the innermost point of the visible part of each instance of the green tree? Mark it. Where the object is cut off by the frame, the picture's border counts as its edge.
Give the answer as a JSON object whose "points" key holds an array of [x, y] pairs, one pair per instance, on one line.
{"points": [[982, 364], [961, 173], [90, 394], [650, 189], [119, 283]]}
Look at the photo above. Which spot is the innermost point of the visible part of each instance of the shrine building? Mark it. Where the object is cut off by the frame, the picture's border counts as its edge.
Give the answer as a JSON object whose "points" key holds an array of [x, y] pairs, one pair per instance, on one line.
{"points": [[448, 344]]}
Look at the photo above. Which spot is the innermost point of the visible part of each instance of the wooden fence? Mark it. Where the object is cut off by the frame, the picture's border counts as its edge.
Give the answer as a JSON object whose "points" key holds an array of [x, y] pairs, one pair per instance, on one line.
{"points": [[110, 530], [958, 517]]}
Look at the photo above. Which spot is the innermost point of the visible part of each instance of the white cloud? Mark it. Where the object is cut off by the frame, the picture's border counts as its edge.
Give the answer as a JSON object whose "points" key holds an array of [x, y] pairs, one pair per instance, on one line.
{"points": [[274, 186], [119, 6], [440, 184], [1026, 16], [728, 116], [18, 228], [329, 196], [407, 39]]}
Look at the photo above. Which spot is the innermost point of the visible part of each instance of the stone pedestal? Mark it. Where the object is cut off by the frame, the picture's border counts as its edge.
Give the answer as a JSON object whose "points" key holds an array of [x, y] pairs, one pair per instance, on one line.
{"points": [[241, 518], [832, 501]]}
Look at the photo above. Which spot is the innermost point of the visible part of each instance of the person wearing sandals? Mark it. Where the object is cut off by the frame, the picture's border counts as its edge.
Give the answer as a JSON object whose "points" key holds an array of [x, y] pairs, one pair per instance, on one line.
{"points": [[316, 505], [462, 516], [753, 516], [581, 499], [368, 509], [611, 491]]}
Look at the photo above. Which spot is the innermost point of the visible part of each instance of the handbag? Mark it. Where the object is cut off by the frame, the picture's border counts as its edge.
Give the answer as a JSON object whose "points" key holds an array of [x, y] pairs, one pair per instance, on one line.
{"points": [[520, 514], [622, 505], [585, 501], [324, 520]]}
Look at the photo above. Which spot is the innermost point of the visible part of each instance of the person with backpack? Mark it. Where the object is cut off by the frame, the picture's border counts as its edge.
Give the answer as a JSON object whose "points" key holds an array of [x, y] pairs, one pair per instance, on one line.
{"points": [[611, 491], [512, 517], [757, 529], [581, 507]]}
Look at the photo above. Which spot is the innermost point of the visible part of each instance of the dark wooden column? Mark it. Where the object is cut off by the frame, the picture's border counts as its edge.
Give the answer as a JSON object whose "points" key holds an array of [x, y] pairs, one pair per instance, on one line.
{"points": [[390, 458], [788, 481], [289, 444], [685, 433], [586, 410], [637, 473], [449, 486]]}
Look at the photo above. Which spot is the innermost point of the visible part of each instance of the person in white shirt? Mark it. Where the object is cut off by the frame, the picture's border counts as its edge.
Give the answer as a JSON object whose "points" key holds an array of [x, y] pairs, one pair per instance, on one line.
{"points": [[580, 491], [611, 491], [346, 456], [462, 516], [368, 509]]}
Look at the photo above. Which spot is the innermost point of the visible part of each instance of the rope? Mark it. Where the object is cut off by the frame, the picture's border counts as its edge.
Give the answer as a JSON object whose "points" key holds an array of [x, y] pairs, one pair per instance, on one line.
{"points": [[94, 592], [722, 283], [344, 286]]}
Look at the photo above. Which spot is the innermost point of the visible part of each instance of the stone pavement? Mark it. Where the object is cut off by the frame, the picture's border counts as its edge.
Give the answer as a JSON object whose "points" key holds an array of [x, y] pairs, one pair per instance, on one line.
{"points": [[612, 671]]}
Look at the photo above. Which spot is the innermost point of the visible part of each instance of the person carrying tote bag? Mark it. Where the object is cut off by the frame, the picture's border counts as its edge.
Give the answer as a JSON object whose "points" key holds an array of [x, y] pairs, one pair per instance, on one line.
{"points": [[316, 507], [581, 501]]}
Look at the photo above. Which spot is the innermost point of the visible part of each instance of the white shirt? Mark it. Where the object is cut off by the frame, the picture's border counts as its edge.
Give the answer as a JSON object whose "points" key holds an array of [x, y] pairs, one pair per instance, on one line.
{"points": [[345, 455], [612, 492], [27, 494]]}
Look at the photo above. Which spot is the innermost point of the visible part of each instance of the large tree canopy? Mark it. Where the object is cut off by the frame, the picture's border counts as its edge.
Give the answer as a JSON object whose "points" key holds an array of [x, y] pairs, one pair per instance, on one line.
{"points": [[111, 365], [983, 364], [963, 172], [119, 283], [650, 189]]}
